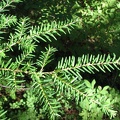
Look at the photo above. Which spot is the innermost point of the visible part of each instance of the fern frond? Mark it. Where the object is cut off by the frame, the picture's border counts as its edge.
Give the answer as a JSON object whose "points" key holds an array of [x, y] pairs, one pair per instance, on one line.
{"points": [[2, 113], [4, 4], [9, 71], [6, 21], [22, 27], [7, 3], [72, 87], [15, 83], [44, 91], [15, 79], [88, 63], [44, 58], [22, 59], [47, 31], [19, 37]]}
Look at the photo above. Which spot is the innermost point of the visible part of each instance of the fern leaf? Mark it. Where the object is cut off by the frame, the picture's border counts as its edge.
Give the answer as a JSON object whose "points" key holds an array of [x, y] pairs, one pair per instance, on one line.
{"points": [[46, 31], [71, 86], [44, 59], [7, 3], [88, 64], [6, 21], [2, 115], [45, 95]]}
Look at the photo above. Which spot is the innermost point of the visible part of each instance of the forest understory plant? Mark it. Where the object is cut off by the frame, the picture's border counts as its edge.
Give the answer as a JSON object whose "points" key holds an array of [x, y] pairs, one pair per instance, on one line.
{"points": [[31, 90]]}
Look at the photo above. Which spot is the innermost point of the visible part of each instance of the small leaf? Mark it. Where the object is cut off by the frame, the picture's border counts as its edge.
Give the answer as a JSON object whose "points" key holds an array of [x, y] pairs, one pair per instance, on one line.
{"points": [[87, 83], [93, 83], [12, 94], [2, 54], [106, 87]]}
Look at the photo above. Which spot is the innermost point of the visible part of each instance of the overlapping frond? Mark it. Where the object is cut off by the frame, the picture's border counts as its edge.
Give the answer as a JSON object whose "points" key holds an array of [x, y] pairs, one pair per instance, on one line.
{"points": [[88, 63], [9, 72], [45, 57], [72, 87], [6, 3], [18, 37], [2, 113], [43, 89], [47, 32], [6, 21]]}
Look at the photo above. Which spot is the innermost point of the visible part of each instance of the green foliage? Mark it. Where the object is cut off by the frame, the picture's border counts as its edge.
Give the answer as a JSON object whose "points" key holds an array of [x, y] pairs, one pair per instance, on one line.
{"points": [[29, 88], [97, 102], [2, 113]]}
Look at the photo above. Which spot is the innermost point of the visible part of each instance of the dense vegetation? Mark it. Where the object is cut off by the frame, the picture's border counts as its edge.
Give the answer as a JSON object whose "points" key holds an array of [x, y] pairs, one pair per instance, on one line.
{"points": [[59, 60]]}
